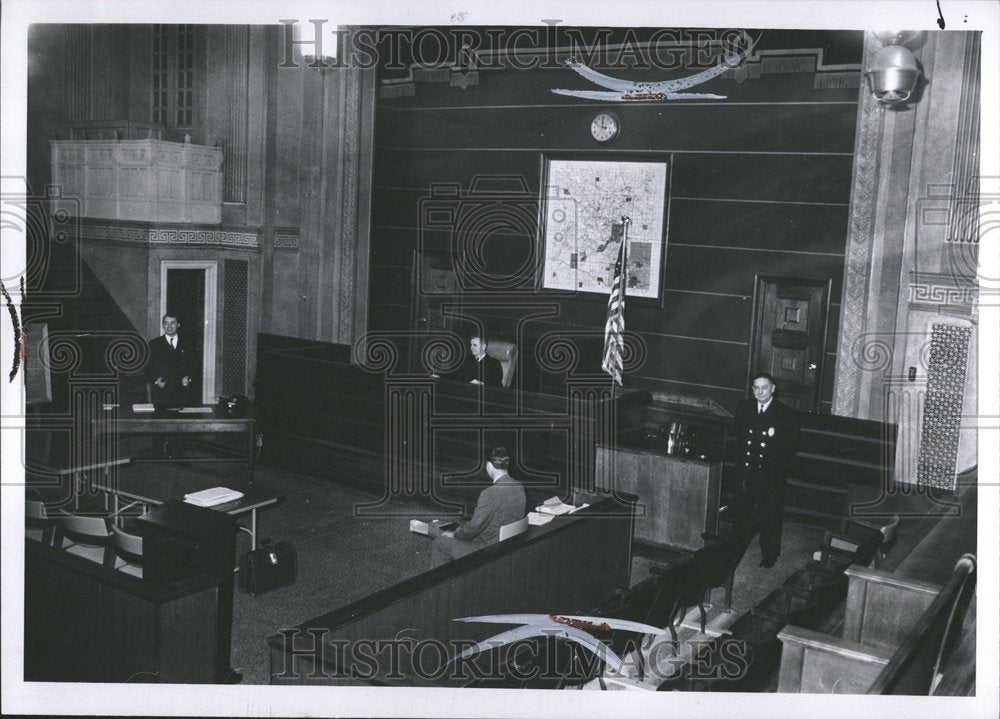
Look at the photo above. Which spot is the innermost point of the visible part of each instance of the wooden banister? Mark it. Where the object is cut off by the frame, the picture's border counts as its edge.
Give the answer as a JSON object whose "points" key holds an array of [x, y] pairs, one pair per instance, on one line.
{"points": [[916, 665]]}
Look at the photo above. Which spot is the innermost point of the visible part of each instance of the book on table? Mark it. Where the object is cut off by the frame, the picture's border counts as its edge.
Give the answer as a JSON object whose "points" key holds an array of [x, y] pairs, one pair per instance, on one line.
{"points": [[213, 497]]}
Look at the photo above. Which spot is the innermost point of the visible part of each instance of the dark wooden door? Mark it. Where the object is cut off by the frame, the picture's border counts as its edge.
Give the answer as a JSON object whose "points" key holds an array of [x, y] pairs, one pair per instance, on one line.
{"points": [[435, 304], [186, 299], [789, 336]]}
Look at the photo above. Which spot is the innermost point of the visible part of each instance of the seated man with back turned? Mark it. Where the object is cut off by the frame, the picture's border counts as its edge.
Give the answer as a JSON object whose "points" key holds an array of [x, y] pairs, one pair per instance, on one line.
{"points": [[168, 369], [478, 368], [501, 503]]}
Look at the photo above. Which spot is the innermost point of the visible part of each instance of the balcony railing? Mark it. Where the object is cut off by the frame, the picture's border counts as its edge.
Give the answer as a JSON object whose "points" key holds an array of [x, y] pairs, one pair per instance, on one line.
{"points": [[143, 180]]}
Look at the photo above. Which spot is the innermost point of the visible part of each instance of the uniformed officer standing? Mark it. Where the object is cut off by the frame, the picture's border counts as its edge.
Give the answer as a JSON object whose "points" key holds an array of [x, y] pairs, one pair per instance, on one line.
{"points": [[767, 435]]}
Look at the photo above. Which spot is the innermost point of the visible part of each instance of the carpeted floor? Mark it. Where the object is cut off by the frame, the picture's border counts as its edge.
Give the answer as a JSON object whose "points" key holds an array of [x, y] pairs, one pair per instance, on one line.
{"points": [[343, 557]]}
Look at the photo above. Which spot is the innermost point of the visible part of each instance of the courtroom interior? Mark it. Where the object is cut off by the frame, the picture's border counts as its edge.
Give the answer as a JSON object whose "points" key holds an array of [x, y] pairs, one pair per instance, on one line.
{"points": [[325, 227]]}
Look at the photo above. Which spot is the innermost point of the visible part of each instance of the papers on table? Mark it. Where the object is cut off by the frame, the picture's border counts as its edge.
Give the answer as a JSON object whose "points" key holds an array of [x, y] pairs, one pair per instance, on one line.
{"points": [[212, 497], [142, 407], [554, 506], [195, 410], [551, 508], [419, 527], [537, 518]]}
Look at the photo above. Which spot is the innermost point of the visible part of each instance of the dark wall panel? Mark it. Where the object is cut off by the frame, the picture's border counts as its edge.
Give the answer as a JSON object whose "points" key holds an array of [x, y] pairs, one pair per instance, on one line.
{"points": [[760, 184]]}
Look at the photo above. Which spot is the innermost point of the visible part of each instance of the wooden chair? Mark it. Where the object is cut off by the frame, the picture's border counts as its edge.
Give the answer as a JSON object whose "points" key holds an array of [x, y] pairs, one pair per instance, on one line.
{"points": [[38, 525], [506, 354], [87, 537], [888, 530], [514, 528], [724, 574], [128, 552]]}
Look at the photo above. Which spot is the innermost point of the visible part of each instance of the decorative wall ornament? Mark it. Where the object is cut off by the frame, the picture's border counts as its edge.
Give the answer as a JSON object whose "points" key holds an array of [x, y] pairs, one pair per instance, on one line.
{"points": [[626, 90], [936, 292], [854, 302], [235, 293], [170, 236], [942, 416], [764, 62], [286, 241]]}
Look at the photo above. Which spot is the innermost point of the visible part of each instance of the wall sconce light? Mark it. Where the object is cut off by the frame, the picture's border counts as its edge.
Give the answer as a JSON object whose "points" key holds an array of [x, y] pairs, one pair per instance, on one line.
{"points": [[894, 71]]}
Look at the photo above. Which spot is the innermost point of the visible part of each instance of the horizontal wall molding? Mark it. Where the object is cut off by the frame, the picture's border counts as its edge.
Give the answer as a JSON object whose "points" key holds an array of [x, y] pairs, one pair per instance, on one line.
{"points": [[614, 151], [158, 235], [682, 198], [672, 104], [733, 248], [674, 198]]}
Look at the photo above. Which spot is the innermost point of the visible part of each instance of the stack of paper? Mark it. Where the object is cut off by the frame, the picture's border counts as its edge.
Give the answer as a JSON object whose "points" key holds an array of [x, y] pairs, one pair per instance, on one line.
{"points": [[212, 497], [142, 407], [537, 518], [420, 527], [554, 506], [196, 410]]}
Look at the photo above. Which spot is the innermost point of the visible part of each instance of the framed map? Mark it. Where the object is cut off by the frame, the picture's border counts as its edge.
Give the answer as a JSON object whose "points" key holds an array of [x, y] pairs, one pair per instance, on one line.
{"points": [[581, 200]]}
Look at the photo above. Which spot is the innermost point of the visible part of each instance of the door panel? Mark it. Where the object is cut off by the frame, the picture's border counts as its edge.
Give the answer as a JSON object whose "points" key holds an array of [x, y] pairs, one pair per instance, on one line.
{"points": [[789, 336]]}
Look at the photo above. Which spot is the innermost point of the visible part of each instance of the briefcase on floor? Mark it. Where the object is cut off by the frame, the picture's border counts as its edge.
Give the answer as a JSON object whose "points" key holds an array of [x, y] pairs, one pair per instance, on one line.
{"points": [[273, 565]]}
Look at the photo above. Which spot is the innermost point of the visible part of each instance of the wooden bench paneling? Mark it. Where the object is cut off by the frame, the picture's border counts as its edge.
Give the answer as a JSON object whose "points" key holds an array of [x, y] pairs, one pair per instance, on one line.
{"points": [[566, 566], [86, 623]]}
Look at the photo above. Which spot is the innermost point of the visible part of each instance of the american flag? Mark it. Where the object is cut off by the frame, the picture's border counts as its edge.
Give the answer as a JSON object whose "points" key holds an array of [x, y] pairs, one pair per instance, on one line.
{"points": [[614, 327]]}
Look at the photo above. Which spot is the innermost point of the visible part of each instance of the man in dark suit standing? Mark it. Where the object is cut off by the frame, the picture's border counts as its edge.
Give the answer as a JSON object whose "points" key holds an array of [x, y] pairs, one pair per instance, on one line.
{"points": [[168, 368], [767, 436], [501, 503]]}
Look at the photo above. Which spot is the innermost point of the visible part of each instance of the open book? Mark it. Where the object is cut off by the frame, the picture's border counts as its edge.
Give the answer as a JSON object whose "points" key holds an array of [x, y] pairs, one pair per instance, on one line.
{"points": [[212, 497]]}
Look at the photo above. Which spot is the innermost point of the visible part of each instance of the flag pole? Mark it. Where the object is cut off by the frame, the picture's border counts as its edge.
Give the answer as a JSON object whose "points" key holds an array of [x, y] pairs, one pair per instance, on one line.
{"points": [[626, 221]]}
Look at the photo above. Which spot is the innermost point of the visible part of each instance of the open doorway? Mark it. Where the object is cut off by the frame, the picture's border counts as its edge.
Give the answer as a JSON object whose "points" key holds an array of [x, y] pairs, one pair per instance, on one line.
{"points": [[188, 290]]}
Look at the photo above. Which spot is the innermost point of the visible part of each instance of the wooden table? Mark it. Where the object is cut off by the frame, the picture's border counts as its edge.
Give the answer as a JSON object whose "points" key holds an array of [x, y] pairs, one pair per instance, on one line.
{"points": [[146, 490], [120, 422], [78, 474]]}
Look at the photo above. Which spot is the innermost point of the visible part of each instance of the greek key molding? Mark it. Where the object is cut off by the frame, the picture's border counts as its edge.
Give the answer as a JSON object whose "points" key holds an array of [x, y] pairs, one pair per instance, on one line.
{"points": [[939, 292], [237, 239], [286, 242]]}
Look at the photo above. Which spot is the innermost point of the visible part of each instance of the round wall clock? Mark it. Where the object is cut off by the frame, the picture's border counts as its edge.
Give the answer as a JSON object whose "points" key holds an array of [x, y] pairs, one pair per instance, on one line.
{"points": [[605, 127]]}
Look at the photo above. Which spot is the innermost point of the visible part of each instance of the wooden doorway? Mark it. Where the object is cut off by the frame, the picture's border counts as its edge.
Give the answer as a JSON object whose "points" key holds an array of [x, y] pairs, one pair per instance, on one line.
{"points": [[788, 336], [189, 288], [435, 303]]}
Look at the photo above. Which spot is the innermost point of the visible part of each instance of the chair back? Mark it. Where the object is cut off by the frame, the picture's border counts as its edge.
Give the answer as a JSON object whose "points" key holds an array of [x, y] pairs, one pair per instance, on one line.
{"points": [[87, 537], [38, 525], [128, 548], [514, 528], [86, 530], [890, 529], [34, 509], [506, 354]]}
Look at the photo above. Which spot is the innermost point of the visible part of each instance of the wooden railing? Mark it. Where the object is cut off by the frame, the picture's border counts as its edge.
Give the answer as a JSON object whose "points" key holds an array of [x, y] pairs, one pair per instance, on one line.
{"points": [[898, 636], [87, 623], [406, 634]]}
